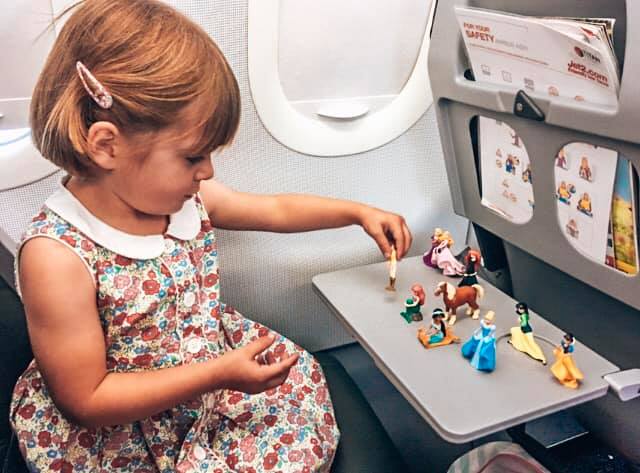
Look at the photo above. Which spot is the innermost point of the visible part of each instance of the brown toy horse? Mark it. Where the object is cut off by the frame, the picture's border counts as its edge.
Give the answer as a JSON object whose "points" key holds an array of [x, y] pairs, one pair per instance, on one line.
{"points": [[453, 297]]}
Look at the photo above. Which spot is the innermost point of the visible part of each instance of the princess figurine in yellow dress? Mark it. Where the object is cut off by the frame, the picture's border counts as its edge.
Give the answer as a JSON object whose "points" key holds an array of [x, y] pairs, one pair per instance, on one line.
{"points": [[522, 336], [564, 369]]}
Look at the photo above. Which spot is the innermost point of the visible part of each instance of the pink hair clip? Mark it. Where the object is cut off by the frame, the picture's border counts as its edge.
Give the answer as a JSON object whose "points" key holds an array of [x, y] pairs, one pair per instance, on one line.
{"points": [[94, 88]]}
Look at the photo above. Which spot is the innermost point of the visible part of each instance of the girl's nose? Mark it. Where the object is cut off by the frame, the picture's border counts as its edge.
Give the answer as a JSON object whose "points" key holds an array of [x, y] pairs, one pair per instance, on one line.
{"points": [[205, 171]]}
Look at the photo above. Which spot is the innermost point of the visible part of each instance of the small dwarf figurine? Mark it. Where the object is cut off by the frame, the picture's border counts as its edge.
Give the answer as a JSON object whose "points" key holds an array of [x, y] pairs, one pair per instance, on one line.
{"points": [[472, 261], [480, 349], [584, 171], [564, 192], [437, 334], [526, 175], [564, 369], [522, 336], [561, 159], [413, 304], [584, 204], [393, 263]]}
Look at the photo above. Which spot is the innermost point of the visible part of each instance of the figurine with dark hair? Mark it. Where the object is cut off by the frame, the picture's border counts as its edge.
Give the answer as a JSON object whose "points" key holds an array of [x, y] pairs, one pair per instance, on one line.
{"points": [[438, 329], [472, 261], [437, 334], [481, 347], [564, 368], [522, 336]]}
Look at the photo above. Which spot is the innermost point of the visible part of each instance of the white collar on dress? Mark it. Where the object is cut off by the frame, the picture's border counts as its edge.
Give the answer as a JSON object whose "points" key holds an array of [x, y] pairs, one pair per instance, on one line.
{"points": [[184, 225]]}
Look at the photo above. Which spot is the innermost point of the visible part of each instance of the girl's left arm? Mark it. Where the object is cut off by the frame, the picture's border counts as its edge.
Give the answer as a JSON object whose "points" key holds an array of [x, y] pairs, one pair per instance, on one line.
{"points": [[286, 213]]}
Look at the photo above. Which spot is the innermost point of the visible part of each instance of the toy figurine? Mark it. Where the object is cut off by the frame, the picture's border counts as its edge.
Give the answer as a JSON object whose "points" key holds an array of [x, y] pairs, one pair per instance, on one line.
{"points": [[393, 262], [526, 175], [572, 228], [455, 297], [561, 159], [511, 163], [516, 139], [584, 171], [435, 241], [437, 334], [481, 347], [444, 259], [564, 369], [413, 304], [522, 336], [472, 260], [565, 191], [584, 204]]}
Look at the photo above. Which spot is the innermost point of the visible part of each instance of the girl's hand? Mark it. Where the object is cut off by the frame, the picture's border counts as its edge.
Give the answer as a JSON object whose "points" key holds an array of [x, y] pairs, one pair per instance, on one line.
{"points": [[386, 229], [248, 371]]}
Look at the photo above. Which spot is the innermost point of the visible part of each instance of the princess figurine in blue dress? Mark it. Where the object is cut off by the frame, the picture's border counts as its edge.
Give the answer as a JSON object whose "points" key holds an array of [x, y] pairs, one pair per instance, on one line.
{"points": [[481, 347]]}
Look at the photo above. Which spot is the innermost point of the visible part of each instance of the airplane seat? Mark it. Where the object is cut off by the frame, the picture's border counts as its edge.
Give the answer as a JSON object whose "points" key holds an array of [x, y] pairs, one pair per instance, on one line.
{"points": [[356, 452], [15, 355]]}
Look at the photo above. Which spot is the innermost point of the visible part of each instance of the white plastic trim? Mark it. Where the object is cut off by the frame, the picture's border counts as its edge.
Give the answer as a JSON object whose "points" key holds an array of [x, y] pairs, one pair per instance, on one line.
{"points": [[321, 137], [626, 384], [20, 161]]}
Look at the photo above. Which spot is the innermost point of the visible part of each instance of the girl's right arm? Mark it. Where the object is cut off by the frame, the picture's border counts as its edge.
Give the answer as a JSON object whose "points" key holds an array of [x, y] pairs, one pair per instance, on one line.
{"points": [[69, 347]]}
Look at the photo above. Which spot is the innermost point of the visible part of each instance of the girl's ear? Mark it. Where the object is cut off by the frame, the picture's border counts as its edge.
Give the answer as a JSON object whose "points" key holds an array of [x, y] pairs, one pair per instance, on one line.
{"points": [[102, 141]]}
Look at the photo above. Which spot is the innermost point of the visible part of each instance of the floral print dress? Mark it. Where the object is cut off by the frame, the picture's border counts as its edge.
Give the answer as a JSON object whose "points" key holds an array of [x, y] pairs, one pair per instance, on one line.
{"points": [[157, 299]]}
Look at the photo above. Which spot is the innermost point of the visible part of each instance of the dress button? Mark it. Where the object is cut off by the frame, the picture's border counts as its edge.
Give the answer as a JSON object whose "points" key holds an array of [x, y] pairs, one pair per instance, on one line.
{"points": [[189, 298], [194, 345], [199, 453], [169, 245]]}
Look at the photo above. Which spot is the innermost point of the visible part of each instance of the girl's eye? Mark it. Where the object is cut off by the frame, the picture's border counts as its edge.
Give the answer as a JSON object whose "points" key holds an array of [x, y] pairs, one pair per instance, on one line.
{"points": [[195, 159]]}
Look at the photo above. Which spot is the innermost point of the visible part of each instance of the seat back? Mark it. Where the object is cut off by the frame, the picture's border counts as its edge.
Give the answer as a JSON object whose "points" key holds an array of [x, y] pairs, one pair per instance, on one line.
{"points": [[15, 355]]}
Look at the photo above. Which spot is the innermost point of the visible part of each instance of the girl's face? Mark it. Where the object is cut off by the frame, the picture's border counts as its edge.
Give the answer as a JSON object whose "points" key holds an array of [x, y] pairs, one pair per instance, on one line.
{"points": [[161, 170]]}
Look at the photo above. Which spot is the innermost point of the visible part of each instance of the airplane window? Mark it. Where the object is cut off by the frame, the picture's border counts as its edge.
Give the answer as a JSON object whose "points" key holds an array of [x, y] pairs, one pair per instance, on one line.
{"points": [[362, 58], [336, 78]]}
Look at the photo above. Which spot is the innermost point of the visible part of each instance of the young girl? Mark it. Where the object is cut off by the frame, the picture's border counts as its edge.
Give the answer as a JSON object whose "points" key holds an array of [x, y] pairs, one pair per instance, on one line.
{"points": [[138, 365]]}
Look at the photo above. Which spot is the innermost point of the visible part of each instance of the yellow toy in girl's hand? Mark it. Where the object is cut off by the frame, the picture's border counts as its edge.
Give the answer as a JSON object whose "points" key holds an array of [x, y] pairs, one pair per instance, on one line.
{"points": [[393, 266], [522, 336], [564, 368]]}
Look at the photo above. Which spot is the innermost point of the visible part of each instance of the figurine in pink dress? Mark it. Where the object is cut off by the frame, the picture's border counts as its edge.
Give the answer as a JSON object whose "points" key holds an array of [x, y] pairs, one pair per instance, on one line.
{"points": [[435, 241], [444, 259]]}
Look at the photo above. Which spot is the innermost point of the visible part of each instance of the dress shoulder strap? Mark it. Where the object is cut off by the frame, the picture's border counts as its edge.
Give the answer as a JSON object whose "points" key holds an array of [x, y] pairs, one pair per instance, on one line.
{"points": [[48, 224]]}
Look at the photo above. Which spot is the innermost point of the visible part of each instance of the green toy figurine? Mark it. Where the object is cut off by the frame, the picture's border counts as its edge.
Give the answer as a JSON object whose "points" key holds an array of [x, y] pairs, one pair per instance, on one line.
{"points": [[413, 304]]}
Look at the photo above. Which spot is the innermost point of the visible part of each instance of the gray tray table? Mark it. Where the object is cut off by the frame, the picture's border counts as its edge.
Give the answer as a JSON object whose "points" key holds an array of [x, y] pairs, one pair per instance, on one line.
{"points": [[459, 402]]}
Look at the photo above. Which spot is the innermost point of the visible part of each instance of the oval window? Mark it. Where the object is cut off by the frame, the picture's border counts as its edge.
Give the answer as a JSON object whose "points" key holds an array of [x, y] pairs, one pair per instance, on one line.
{"points": [[334, 78]]}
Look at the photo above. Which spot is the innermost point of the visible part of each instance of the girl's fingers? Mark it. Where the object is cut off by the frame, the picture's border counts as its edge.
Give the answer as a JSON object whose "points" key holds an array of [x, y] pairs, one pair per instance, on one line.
{"points": [[408, 239], [397, 238], [383, 243], [256, 347], [281, 368]]}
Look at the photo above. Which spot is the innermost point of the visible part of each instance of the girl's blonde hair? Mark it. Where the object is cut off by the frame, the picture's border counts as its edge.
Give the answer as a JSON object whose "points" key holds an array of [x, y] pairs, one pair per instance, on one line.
{"points": [[152, 59]]}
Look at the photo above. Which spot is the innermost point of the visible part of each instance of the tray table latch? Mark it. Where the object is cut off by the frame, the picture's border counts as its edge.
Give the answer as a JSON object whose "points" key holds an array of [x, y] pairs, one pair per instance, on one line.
{"points": [[626, 384]]}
